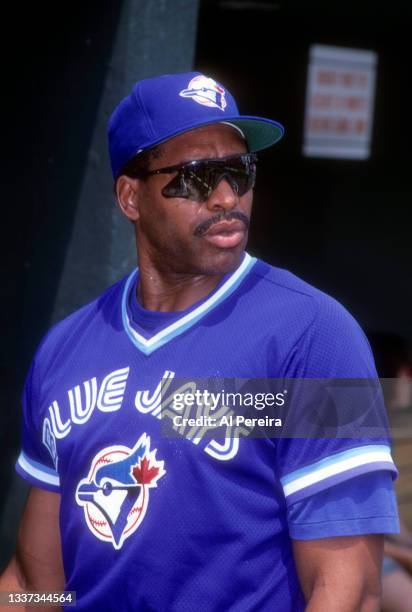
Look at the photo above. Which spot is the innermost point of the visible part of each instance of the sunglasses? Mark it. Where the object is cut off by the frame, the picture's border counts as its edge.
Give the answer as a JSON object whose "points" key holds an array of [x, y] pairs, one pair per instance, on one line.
{"points": [[195, 180]]}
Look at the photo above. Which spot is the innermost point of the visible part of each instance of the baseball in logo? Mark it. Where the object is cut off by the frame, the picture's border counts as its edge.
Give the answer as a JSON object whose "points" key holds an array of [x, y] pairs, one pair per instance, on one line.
{"points": [[115, 494], [206, 91]]}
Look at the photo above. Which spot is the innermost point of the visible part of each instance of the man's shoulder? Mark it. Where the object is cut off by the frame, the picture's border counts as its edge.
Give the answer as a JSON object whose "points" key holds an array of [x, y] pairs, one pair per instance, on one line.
{"points": [[279, 284], [330, 340]]}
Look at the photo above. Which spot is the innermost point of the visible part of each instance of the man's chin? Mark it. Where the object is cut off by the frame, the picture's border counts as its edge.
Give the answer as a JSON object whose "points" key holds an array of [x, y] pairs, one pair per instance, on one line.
{"points": [[222, 261]]}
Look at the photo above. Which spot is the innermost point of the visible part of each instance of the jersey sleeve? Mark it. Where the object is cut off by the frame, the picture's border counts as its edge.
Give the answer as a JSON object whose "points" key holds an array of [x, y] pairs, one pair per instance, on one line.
{"points": [[37, 462], [362, 505], [334, 347]]}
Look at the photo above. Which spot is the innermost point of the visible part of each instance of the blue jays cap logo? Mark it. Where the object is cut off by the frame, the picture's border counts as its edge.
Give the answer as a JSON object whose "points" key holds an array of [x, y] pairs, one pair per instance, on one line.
{"points": [[115, 494], [206, 91]]}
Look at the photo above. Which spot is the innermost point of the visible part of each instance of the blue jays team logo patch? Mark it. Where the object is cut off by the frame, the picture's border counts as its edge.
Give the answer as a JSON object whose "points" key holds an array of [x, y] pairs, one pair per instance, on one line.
{"points": [[206, 91], [115, 494]]}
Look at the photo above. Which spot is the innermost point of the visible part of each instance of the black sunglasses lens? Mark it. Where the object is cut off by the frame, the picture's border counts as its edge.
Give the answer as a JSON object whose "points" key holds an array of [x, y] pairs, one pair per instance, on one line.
{"points": [[190, 183], [177, 187], [241, 174], [197, 181]]}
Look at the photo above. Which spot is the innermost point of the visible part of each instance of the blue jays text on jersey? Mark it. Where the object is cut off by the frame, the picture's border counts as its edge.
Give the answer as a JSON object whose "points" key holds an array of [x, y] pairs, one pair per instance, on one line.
{"points": [[84, 399], [155, 523]]}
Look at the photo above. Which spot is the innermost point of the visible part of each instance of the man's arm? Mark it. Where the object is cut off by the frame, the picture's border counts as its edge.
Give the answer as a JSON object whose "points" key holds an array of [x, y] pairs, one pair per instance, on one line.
{"points": [[37, 563], [340, 574]]}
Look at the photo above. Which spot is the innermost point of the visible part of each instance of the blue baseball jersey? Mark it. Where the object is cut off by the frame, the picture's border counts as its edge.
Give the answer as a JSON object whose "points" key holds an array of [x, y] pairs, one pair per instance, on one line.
{"points": [[150, 522]]}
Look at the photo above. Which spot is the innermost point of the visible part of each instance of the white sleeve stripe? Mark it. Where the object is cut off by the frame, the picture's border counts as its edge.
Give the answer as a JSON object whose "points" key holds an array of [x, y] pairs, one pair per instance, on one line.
{"points": [[335, 469], [36, 472]]}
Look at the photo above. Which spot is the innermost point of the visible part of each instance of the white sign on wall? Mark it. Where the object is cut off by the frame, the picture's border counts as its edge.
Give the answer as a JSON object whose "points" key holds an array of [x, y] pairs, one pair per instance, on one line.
{"points": [[339, 102]]}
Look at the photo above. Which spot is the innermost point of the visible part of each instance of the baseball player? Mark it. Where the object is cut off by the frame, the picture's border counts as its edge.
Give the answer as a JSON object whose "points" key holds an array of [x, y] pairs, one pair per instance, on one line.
{"points": [[132, 519]]}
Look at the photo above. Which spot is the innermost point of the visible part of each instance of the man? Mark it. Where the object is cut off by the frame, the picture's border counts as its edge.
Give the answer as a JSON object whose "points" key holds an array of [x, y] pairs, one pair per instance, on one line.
{"points": [[149, 522]]}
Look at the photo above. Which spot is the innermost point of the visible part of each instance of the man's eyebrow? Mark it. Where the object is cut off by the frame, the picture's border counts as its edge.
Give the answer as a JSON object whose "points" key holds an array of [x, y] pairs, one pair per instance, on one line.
{"points": [[194, 158]]}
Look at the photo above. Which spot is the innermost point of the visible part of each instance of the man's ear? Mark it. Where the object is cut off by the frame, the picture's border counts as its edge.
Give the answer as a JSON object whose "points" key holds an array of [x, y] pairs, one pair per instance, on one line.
{"points": [[127, 196]]}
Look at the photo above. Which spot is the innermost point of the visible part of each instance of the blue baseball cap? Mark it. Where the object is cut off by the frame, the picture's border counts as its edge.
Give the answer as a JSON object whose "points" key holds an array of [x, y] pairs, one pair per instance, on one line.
{"points": [[162, 107]]}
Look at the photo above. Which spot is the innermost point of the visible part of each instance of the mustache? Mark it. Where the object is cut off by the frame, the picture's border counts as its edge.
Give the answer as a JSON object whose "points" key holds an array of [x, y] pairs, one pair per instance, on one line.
{"points": [[202, 228]]}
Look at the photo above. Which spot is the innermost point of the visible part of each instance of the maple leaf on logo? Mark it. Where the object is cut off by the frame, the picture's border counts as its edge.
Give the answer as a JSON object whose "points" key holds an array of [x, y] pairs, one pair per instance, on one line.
{"points": [[144, 473]]}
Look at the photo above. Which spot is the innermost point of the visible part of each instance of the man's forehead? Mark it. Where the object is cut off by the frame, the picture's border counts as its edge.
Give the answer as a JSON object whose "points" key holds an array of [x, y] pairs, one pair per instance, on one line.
{"points": [[216, 140]]}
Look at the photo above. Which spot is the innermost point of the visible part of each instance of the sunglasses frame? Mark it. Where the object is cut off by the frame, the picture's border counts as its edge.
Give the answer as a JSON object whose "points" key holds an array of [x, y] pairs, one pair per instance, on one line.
{"points": [[214, 162]]}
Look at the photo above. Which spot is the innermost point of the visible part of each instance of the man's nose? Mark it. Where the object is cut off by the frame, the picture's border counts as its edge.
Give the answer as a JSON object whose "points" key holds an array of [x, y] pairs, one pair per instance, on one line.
{"points": [[224, 196]]}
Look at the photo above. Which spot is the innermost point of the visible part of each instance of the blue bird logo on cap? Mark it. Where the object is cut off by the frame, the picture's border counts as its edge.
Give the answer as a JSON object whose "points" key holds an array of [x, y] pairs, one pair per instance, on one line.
{"points": [[206, 91]]}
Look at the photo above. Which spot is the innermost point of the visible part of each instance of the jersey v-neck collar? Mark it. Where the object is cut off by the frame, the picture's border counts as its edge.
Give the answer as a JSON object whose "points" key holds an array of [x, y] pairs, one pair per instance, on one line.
{"points": [[188, 318]]}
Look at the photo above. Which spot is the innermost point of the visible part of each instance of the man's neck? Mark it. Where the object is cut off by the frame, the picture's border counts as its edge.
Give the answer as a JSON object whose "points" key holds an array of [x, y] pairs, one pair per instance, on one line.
{"points": [[173, 291]]}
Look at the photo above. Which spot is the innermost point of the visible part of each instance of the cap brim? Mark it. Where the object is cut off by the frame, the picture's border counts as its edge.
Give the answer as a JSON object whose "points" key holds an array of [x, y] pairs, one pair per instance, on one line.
{"points": [[260, 133]]}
